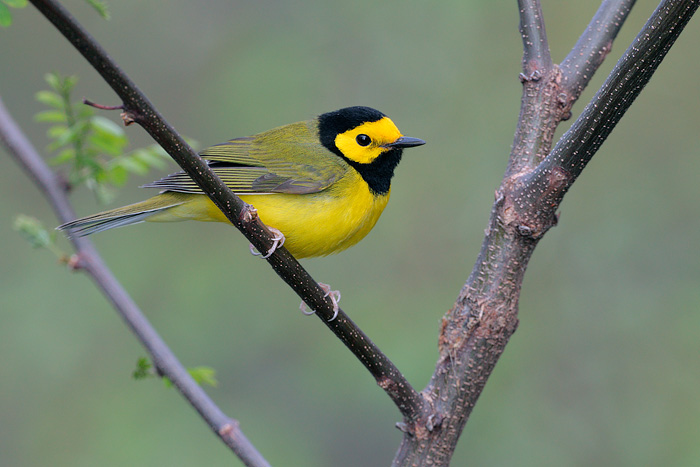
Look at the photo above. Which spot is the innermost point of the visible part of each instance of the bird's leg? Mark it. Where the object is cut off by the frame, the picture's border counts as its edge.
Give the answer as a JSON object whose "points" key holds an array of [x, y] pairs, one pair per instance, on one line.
{"points": [[334, 296], [277, 241]]}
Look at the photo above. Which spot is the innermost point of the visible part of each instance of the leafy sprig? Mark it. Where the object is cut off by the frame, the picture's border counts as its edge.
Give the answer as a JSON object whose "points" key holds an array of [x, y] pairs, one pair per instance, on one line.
{"points": [[203, 375], [91, 145], [6, 14], [32, 230]]}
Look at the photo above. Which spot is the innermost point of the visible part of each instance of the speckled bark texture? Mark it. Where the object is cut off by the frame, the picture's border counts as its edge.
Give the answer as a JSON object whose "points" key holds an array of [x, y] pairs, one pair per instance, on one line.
{"points": [[477, 328]]}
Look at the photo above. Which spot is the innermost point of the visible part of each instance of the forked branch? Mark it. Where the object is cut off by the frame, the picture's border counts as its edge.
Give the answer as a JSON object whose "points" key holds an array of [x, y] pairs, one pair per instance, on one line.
{"points": [[485, 315], [550, 181], [593, 46]]}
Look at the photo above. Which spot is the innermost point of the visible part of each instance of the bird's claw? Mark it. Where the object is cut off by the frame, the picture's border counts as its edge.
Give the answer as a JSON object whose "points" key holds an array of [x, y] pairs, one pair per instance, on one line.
{"points": [[277, 241], [334, 296]]}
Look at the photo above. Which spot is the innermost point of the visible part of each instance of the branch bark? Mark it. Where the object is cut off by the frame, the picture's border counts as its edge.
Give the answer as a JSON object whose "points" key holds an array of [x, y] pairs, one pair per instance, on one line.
{"points": [[536, 56], [593, 46], [626, 81], [139, 109], [477, 328], [24, 153]]}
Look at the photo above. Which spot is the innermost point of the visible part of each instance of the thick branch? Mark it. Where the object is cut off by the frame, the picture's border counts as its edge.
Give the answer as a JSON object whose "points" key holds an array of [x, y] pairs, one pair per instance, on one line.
{"points": [[163, 358], [476, 330], [409, 402]]}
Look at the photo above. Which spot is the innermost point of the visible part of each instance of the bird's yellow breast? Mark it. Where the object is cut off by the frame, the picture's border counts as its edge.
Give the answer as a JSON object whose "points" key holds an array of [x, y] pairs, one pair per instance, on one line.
{"points": [[315, 224]]}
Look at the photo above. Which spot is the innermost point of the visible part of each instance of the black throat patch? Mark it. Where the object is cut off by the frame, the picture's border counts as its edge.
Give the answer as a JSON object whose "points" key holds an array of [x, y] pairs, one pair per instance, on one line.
{"points": [[379, 172]]}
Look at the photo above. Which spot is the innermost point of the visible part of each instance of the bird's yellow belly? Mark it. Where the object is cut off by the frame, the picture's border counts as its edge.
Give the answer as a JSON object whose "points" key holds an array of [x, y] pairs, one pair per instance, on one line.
{"points": [[320, 224], [316, 224]]}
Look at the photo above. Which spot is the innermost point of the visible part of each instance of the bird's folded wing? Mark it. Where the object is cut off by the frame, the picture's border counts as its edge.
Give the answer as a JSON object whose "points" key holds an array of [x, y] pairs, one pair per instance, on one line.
{"points": [[297, 166]]}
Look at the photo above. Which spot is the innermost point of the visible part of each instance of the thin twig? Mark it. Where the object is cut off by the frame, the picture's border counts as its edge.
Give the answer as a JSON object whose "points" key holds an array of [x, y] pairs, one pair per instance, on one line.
{"points": [[102, 106], [595, 43], [21, 149], [409, 402], [536, 57], [539, 78], [631, 73]]}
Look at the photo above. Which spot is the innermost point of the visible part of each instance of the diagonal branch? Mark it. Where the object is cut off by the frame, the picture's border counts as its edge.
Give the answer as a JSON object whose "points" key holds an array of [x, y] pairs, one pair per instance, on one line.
{"points": [[626, 81], [595, 43], [163, 358], [138, 108]]}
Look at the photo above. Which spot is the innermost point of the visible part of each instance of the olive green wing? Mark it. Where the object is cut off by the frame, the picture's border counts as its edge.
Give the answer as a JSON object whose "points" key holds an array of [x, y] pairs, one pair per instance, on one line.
{"points": [[288, 159]]}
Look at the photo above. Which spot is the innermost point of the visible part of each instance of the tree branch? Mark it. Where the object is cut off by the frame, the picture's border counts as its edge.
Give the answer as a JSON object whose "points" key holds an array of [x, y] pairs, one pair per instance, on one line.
{"points": [[138, 108], [549, 91], [593, 46], [539, 78], [552, 179], [89, 259], [477, 328], [536, 56]]}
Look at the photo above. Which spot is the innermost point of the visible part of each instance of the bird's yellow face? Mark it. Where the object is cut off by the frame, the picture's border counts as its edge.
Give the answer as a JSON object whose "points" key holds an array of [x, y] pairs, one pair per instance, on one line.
{"points": [[368, 141], [364, 143]]}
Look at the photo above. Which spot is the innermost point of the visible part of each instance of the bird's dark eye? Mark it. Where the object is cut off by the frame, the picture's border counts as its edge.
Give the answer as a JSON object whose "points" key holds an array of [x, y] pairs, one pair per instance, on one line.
{"points": [[363, 140]]}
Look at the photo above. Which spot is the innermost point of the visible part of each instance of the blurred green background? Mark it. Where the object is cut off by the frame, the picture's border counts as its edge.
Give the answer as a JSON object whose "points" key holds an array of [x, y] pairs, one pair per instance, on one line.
{"points": [[604, 368]]}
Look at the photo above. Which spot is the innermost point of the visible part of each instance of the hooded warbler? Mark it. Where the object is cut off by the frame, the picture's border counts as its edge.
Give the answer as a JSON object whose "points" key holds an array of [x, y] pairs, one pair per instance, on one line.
{"points": [[323, 183]]}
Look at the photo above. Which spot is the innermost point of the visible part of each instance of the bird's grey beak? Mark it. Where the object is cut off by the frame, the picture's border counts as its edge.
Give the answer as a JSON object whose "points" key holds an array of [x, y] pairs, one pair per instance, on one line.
{"points": [[405, 142]]}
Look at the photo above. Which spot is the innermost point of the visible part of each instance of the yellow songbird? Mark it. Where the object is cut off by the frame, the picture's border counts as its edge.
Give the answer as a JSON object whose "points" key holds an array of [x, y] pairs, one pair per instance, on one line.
{"points": [[323, 183]]}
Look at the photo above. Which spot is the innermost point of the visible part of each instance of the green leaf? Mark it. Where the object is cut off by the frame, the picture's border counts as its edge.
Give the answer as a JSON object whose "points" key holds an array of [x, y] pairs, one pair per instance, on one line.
{"points": [[107, 136], [201, 374], [101, 8], [5, 16], [32, 230], [83, 112], [69, 83], [106, 145], [16, 3], [106, 125], [204, 375], [50, 98], [133, 165], [118, 175], [151, 158], [66, 155], [54, 81], [56, 131], [50, 116], [72, 134], [63, 135], [143, 369]]}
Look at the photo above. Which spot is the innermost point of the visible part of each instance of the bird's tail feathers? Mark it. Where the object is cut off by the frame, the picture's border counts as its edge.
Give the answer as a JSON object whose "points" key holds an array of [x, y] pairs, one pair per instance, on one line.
{"points": [[127, 215]]}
